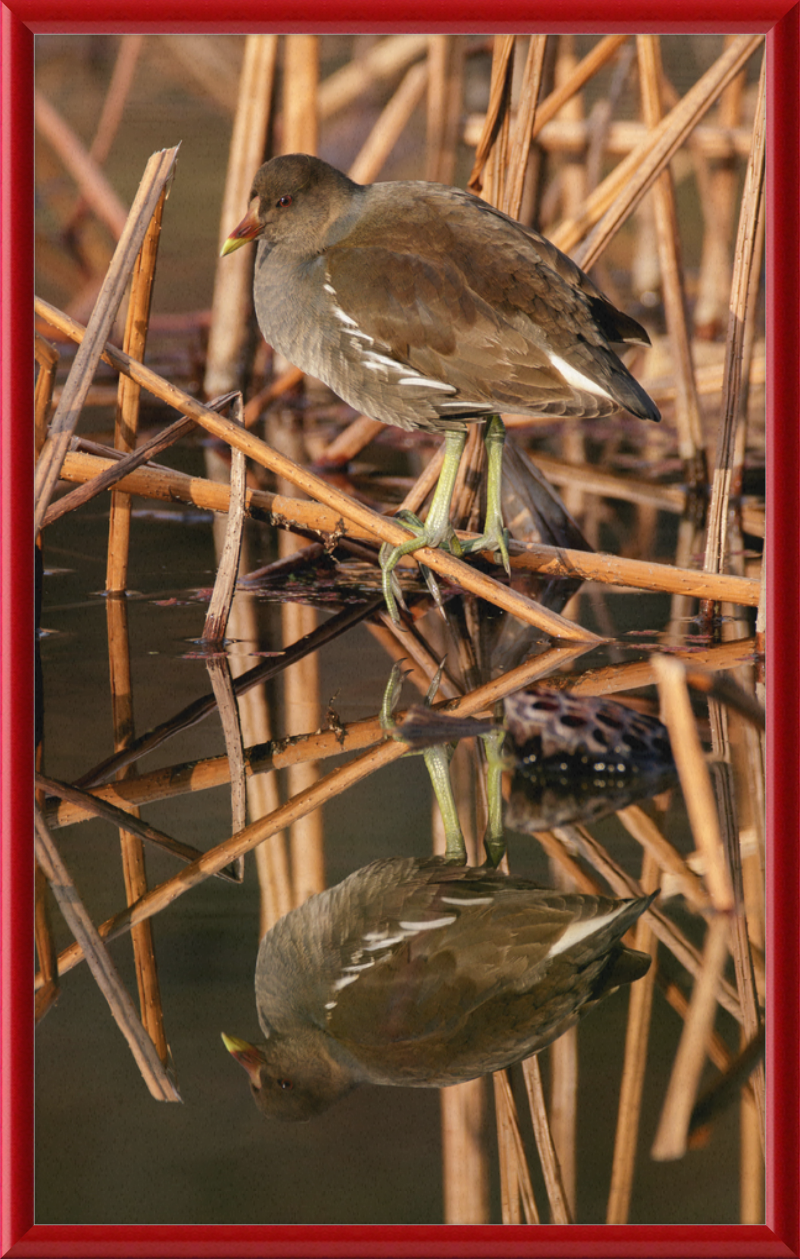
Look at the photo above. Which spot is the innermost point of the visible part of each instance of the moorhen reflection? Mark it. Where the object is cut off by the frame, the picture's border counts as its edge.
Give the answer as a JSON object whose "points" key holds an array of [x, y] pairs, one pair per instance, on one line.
{"points": [[427, 308], [571, 758], [425, 973]]}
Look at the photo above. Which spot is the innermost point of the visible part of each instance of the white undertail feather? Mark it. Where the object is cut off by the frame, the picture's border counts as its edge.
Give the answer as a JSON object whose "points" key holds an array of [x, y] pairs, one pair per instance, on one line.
{"points": [[577, 379], [578, 931]]}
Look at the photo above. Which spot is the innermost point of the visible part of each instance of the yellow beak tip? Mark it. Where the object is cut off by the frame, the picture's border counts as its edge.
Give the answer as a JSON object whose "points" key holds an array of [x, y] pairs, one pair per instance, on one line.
{"points": [[230, 244], [232, 1043]]}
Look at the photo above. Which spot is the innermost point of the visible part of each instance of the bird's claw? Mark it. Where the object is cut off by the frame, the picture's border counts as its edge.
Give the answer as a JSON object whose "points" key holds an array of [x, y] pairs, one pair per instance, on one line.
{"points": [[495, 539], [434, 686], [433, 588], [392, 593]]}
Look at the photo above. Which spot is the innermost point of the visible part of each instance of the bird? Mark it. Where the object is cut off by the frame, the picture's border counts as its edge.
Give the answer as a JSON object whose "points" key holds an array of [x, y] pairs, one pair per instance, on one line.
{"points": [[425, 973], [425, 307]]}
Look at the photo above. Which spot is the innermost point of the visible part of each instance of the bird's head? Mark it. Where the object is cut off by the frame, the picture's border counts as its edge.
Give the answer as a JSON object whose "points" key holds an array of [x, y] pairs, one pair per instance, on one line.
{"points": [[291, 1081], [293, 199]]}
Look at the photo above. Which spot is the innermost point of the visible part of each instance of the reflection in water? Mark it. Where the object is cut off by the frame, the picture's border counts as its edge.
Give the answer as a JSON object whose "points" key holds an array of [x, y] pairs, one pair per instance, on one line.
{"points": [[580, 759], [572, 759], [425, 973]]}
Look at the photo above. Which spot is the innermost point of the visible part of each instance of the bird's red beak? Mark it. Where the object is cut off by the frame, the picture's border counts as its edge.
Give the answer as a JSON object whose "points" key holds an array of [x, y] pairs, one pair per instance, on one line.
{"points": [[246, 1055], [247, 230]]}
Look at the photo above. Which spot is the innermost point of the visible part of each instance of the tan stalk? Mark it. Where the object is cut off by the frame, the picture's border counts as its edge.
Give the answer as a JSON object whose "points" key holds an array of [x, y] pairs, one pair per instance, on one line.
{"points": [[614, 199], [559, 1204], [48, 467], [523, 130], [445, 92], [47, 995], [47, 357], [157, 1077], [131, 847], [92, 183], [390, 125], [743, 277], [677, 715], [497, 108], [516, 1188], [687, 412], [637, 1036], [673, 1127]]}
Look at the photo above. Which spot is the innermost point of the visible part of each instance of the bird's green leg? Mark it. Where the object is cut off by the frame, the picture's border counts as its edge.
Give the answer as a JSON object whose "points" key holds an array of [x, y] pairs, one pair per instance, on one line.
{"points": [[437, 763], [494, 840], [391, 695], [437, 528], [495, 535]]}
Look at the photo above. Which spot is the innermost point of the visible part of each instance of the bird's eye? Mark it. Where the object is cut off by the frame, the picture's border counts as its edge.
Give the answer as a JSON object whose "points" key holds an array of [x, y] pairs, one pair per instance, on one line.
{"points": [[285, 1084], [283, 201]]}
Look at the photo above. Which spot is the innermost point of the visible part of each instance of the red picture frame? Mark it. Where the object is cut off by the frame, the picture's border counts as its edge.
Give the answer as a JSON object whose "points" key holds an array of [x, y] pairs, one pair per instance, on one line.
{"points": [[21, 19]]}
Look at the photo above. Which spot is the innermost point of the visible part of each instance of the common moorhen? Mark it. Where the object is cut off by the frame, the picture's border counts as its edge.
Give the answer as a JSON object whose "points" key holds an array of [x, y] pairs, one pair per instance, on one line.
{"points": [[425, 307], [425, 973]]}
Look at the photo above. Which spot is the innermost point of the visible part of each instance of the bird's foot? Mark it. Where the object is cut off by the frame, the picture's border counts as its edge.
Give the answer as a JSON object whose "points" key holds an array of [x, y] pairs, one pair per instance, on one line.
{"points": [[437, 762], [391, 695], [425, 535], [494, 539]]}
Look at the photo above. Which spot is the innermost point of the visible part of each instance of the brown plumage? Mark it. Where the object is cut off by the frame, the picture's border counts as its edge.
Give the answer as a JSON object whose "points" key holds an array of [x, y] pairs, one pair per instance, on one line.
{"points": [[425, 973], [425, 307]]}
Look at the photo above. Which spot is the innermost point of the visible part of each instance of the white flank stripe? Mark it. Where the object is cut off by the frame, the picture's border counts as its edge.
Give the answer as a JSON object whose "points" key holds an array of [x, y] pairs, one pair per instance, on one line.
{"points": [[432, 923], [462, 900], [425, 383], [385, 942], [343, 318], [357, 966], [464, 405], [373, 359], [578, 931], [577, 379], [344, 981]]}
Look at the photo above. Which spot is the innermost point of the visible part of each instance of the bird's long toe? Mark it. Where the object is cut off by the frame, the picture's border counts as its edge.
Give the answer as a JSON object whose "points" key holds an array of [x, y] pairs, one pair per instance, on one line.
{"points": [[493, 539]]}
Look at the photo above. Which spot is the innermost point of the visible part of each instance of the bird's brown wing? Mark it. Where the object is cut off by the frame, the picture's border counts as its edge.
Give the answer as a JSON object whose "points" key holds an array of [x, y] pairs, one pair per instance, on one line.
{"points": [[617, 327], [487, 312], [425, 314], [423, 965]]}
